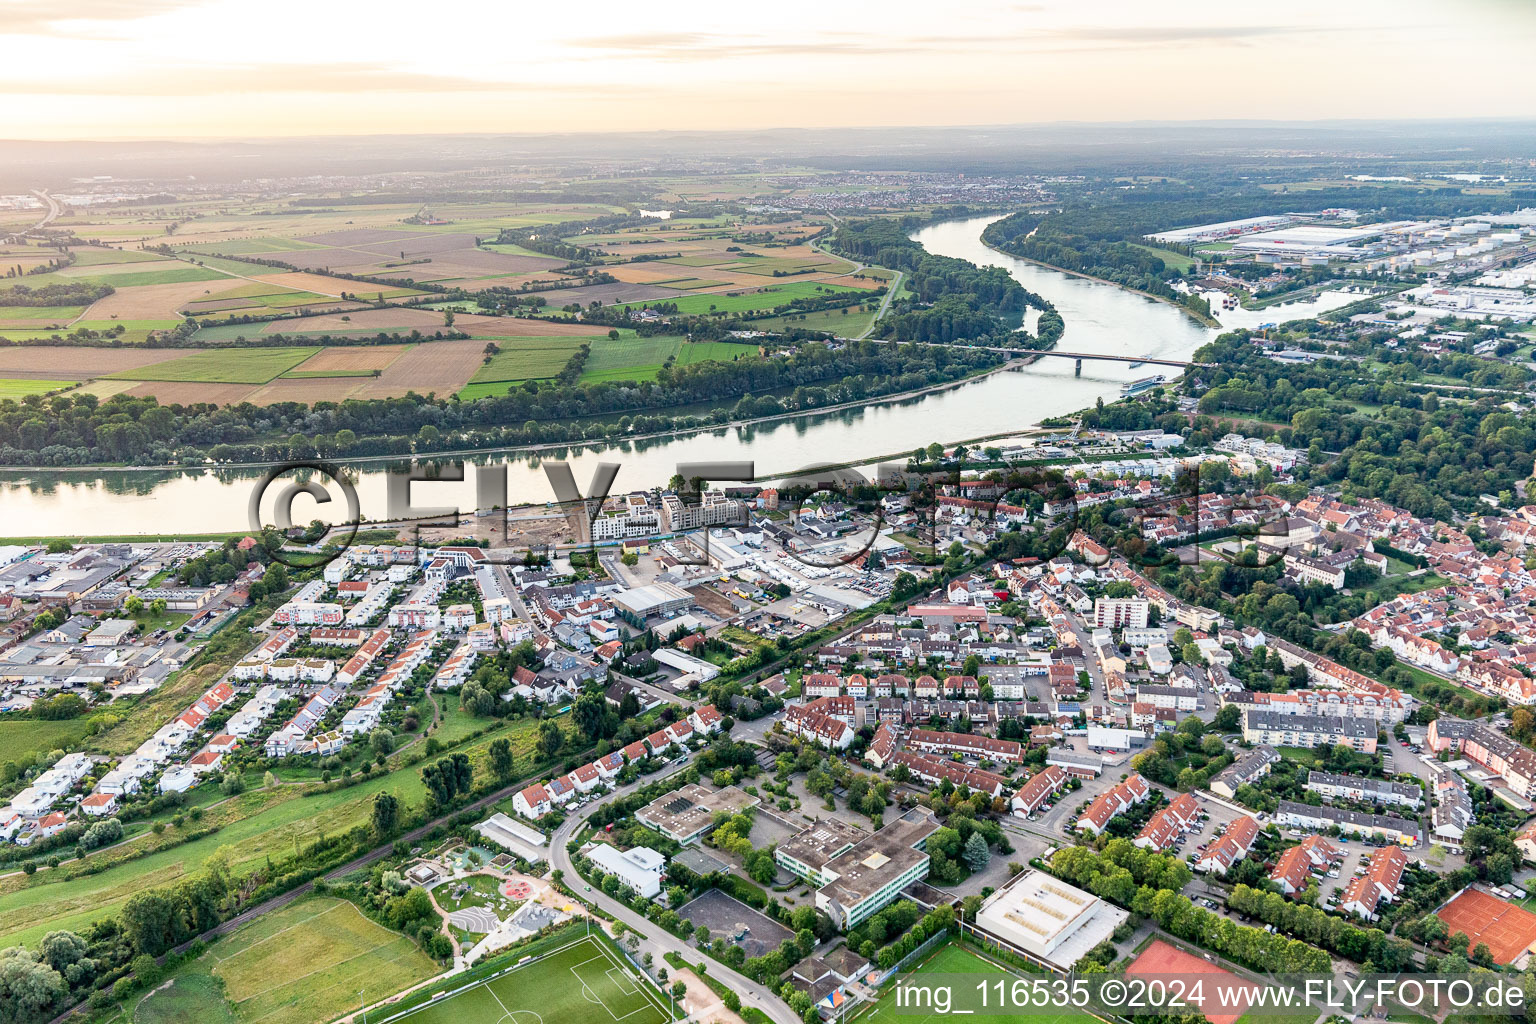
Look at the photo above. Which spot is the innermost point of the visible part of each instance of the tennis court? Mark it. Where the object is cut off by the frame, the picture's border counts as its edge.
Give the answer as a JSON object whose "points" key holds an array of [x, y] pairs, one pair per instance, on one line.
{"points": [[1507, 929], [584, 982]]}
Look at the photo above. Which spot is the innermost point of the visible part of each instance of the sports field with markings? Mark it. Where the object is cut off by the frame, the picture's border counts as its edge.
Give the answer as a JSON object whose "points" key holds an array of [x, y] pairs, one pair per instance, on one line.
{"points": [[583, 982]]}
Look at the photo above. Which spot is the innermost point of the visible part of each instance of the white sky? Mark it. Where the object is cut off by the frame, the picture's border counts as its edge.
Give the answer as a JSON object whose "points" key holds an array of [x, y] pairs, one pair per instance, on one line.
{"points": [[89, 69]]}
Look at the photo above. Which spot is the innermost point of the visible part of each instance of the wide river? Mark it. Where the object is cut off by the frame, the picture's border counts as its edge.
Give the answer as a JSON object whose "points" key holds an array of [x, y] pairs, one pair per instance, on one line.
{"points": [[1099, 318]]}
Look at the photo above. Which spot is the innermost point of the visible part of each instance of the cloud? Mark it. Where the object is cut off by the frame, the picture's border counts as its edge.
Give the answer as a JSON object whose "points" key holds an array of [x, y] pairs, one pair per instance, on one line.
{"points": [[1179, 33], [38, 17], [194, 79], [703, 46]]}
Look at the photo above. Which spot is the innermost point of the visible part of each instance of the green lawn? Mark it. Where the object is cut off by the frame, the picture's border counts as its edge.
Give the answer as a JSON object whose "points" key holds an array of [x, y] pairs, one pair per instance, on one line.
{"points": [[20, 387], [483, 891], [193, 997], [1176, 260], [225, 366], [770, 297], [585, 982]]}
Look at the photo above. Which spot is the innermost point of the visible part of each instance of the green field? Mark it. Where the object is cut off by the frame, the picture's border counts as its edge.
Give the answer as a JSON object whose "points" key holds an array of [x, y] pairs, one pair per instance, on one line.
{"points": [[19, 387], [255, 825], [641, 358], [305, 962], [228, 366], [955, 958], [193, 997], [232, 332], [45, 313], [107, 257], [246, 246], [1183, 264], [584, 982], [771, 296], [847, 325], [19, 738], [178, 274], [523, 359]]}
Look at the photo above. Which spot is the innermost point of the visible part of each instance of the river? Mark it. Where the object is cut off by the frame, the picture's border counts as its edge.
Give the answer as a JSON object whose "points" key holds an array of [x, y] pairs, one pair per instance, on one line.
{"points": [[1099, 317]]}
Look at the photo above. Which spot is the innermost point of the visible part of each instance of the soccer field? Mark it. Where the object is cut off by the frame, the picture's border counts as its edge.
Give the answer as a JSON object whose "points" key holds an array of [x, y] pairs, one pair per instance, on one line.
{"points": [[584, 982], [957, 959]]}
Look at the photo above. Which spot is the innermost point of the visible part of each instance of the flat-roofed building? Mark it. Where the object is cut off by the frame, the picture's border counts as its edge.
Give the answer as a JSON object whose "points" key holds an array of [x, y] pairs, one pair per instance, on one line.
{"points": [[1048, 919], [638, 868], [873, 872], [515, 837], [690, 812], [807, 852]]}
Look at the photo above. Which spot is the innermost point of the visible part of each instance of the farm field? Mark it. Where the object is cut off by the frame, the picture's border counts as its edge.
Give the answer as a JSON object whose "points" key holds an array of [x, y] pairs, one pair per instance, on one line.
{"points": [[305, 962], [226, 366], [641, 358], [44, 313], [20, 387], [769, 297], [73, 361], [848, 322], [584, 982], [523, 359]]}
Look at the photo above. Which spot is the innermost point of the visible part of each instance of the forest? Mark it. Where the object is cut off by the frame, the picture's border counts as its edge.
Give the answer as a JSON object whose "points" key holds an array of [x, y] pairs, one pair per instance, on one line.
{"points": [[954, 300]]}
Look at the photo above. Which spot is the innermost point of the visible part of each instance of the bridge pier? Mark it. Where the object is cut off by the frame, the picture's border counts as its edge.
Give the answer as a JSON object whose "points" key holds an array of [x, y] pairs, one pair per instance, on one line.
{"points": [[1078, 372]]}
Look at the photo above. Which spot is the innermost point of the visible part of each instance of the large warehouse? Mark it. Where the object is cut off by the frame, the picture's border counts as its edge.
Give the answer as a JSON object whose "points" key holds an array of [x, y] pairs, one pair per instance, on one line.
{"points": [[659, 598], [1048, 919]]}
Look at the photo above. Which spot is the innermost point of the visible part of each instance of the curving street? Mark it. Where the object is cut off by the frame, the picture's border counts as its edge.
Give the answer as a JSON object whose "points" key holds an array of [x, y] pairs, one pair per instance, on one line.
{"points": [[654, 939]]}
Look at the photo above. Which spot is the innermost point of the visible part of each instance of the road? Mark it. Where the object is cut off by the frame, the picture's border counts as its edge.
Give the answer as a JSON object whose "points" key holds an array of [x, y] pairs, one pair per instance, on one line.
{"points": [[55, 209], [891, 288], [654, 939]]}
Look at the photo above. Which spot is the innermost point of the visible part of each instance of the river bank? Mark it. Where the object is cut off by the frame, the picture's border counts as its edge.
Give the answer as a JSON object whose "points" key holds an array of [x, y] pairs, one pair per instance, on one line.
{"points": [[1103, 318], [1196, 315]]}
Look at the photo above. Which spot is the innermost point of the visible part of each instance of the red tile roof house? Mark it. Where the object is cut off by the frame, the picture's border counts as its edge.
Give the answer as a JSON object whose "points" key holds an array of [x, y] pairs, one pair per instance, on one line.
{"points": [[586, 777], [1235, 841], [223, 743], [636, 751], [1382, 879], [705, 719], [1040, 788], [98, 804], [658, 741], [1110, 803], [532, 802], [206, 761], [52, 825]]}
